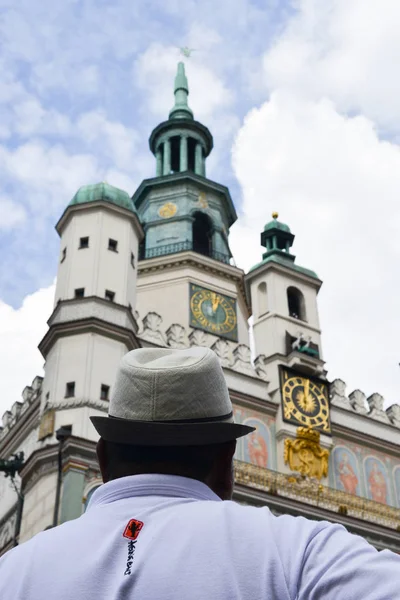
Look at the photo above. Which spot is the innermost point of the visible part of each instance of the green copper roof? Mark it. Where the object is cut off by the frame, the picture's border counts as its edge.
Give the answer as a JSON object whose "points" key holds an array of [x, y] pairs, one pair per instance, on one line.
{"points": [[103, 191], [275, 224], [181, 109], [281, 260]]}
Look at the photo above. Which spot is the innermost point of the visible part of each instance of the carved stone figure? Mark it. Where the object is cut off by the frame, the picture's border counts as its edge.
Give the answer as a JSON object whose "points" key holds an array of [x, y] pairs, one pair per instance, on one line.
{"points": [[176, 336], [357, 401]]}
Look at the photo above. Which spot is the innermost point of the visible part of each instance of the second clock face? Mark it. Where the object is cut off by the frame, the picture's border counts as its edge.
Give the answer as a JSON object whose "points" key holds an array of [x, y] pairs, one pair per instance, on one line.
{"points": [[305, 401], [213, 312]]}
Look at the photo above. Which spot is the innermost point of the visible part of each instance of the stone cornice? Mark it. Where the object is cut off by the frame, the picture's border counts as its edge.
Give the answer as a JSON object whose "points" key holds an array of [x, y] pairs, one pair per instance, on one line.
{"points": [[187, 176], [266, 406], [92, 325], [368, 440], [73, 209], [198, 261], [75, 451], [283, 270]]}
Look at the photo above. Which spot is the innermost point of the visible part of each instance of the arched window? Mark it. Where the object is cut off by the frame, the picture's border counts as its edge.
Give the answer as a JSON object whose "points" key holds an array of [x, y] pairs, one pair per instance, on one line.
{"points": [[262, 299], [191, 152], [296, 304], [175, 154], [202, 234]]}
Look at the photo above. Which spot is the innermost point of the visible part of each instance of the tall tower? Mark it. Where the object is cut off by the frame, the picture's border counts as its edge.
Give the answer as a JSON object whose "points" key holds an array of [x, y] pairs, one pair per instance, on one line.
{"points": [[92, 326], [186, 278]]}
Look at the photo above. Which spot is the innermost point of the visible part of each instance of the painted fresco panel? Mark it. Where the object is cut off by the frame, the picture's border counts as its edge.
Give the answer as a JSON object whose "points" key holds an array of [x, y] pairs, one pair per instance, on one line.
{"points": [[346, 472], [380, 482], [396, 483], [377, 482], [258, 447]]}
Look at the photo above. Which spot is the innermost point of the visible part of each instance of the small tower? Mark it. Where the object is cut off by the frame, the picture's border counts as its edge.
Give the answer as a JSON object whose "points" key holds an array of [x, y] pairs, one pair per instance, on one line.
{"points": [[92, 324], [284, 305]]}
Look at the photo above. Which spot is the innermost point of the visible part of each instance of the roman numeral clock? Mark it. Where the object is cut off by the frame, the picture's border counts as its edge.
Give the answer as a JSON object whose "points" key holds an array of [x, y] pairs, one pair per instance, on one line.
{"points": [[305, 400], [213, 312]]}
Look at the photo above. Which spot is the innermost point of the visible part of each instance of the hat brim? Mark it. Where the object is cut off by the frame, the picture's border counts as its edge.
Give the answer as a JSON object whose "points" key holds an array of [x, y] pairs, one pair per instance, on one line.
{"points": [[145, 433]]}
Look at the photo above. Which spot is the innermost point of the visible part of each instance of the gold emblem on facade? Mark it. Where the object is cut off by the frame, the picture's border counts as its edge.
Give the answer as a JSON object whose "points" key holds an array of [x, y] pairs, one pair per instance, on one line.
{"points": [[168, 210], [46, 424], [203, 202], [305, 455]]}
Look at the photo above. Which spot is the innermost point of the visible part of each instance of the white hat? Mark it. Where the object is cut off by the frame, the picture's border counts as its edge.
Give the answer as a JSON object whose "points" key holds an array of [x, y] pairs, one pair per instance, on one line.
{"points": [[166, 397]]}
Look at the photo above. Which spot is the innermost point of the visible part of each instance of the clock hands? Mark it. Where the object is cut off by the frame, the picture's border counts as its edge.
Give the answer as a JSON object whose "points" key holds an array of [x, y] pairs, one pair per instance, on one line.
{"points": [[214, 302]]}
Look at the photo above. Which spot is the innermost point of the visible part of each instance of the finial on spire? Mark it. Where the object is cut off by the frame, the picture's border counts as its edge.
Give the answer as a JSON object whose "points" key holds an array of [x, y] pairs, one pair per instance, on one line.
{"points": [[275, 215], [181, 109]]}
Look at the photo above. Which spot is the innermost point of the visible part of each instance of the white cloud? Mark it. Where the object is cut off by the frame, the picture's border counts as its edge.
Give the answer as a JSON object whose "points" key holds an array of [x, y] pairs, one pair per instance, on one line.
{"points": [[337, 185], [20, 332], [116, 140], [347, 51], [49, 170], [11, 213], [155, 70]]}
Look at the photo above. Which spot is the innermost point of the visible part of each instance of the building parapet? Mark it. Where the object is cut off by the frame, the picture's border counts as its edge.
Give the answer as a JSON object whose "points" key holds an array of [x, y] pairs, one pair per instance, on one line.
{"points": [[313, 493]]}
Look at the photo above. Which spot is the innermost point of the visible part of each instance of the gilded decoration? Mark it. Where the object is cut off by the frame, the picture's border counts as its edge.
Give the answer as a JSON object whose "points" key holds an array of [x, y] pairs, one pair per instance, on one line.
{"points": [[46, 424], [168, 210], [309, 491], [305, 455], [202, 200]]}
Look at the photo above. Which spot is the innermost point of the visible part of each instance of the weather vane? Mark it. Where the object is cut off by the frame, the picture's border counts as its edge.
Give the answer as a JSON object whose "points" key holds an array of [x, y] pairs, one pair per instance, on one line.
{"points": [[186, 52]]}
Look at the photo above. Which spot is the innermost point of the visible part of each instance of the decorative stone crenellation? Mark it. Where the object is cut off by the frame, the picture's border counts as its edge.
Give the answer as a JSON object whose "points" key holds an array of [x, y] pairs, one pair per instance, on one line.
{"points": [[151, 329], [176, 336], [29, 395], [337, 393], [242, 360], [375, 402], [223, 351], [260, 365], [199, 338], [357, 401], [393, 412]]}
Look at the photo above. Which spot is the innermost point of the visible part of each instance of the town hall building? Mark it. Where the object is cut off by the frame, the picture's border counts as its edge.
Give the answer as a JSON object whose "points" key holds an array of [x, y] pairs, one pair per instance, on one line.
{"points": [[156, 270]]}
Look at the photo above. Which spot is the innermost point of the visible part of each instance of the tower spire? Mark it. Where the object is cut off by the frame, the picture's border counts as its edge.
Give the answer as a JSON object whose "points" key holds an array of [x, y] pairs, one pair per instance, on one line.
{"points": [[181, 109]]}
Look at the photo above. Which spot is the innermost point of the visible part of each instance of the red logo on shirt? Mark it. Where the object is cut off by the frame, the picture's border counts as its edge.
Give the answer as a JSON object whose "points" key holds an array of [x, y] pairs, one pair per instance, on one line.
{"points": [[133, 529]]}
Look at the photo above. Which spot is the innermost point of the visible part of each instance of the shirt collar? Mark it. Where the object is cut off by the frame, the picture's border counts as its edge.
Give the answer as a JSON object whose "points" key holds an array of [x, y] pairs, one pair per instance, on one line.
{"points": [[171, 486]]}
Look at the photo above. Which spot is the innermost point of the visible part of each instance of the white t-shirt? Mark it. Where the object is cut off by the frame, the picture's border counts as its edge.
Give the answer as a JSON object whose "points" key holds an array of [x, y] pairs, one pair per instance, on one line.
{"points": [[157, 537]]}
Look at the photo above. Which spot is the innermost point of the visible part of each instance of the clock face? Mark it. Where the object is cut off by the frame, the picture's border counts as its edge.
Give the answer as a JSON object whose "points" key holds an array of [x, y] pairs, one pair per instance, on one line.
{"points": [[213, 312], [305, 401]]}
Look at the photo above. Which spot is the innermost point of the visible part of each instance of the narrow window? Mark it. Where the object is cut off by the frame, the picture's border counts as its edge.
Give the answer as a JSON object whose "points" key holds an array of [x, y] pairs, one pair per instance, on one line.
{"points": [[202, 234], [79, 292], [132, 260], [83, 242], [112, 245], [47, 395], [296, 304], [130, 307], [109, 295], [70, 389], [104, 392], [262, 299], [64, 254]]}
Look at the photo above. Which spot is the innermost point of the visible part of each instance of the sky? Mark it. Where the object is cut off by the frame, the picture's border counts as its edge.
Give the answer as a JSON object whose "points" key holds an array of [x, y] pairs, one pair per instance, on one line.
{"points": [[302, 99]]}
